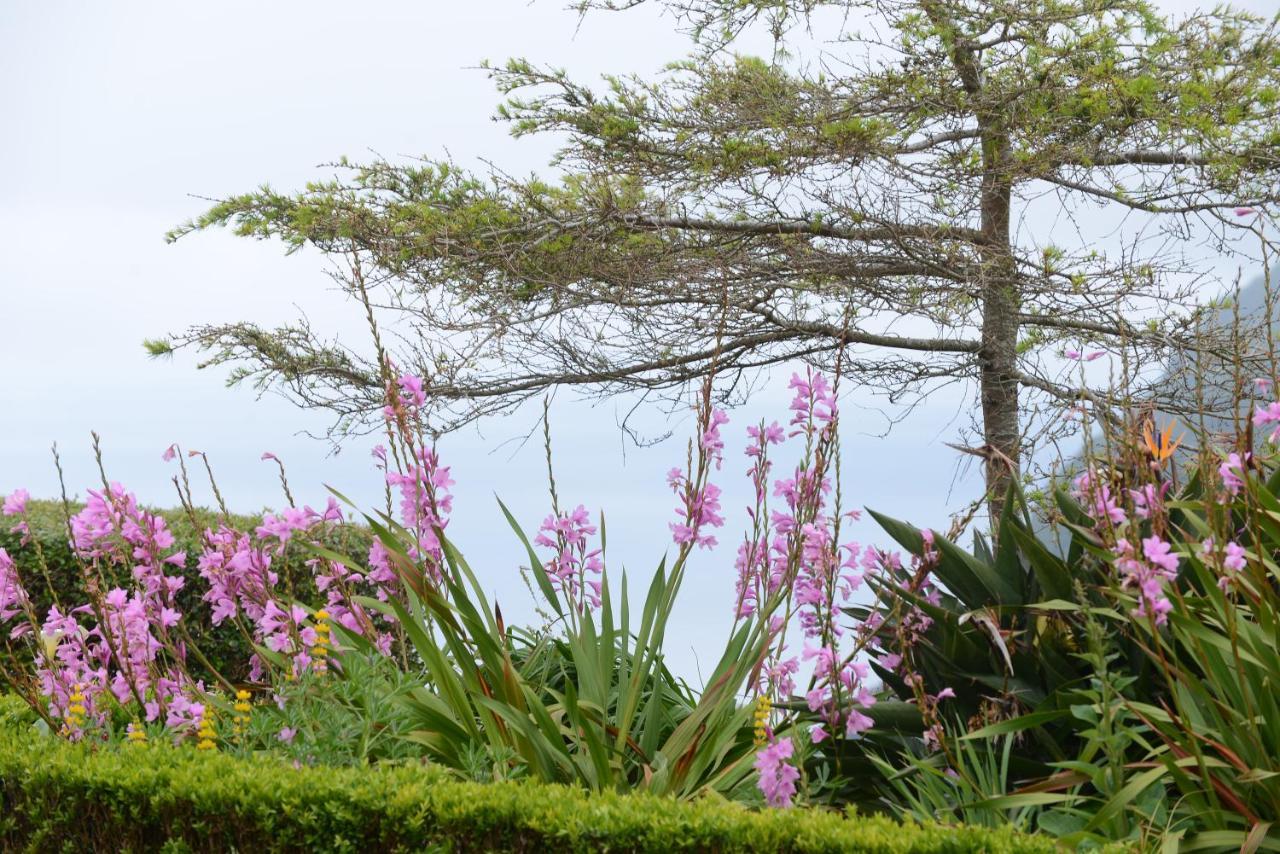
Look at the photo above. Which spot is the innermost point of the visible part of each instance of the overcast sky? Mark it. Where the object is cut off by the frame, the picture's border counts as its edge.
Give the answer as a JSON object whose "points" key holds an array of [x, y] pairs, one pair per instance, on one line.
{"points": [[118, 115]]}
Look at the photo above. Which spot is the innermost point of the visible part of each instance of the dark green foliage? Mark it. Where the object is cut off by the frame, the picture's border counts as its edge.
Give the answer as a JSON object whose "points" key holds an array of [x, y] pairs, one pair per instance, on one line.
{"points": [[1005, 636], [1122, 728], [225, 648], [55, 796]]}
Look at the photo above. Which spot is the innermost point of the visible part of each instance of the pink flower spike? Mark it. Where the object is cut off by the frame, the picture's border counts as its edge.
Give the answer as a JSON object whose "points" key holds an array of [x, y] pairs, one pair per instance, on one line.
{"points": [[1073, 355], [270, 456], [1095, 355], [169, 453], [777, 776], [1244, 211]]}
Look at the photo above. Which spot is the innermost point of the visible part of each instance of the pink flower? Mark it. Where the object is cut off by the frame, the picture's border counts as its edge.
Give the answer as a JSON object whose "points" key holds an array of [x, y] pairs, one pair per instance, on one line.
{"points": [[267, 455], [1232, 562], [777, 776], [1148, 499], [12, 595], [773, 434], [857, 724], [287, 734], [1157, 551], [1270, 414], [1149, 576], [1243, 211], [814, 400], [15, 504], [411, 391], [169, 453], [698, 510], [1231, 480], [575, 568], [1097, 495], [711, 441]]}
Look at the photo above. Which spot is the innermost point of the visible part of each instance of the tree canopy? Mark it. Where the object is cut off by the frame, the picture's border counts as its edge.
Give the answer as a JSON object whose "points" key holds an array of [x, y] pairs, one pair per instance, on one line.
{"points": [[904, 204]]}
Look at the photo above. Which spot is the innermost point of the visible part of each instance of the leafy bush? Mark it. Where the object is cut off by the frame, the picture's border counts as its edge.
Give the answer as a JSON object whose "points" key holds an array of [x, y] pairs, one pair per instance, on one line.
{"points": [[1140, 689], [227, 649], [61, 796]]}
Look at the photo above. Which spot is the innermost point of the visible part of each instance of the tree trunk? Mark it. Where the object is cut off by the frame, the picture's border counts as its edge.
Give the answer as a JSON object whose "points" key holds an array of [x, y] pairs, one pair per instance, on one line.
{"points": [[998, 382]]}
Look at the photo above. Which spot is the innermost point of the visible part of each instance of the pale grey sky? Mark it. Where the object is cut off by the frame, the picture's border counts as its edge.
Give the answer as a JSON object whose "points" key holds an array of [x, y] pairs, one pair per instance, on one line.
{"points": [[117, 114]]}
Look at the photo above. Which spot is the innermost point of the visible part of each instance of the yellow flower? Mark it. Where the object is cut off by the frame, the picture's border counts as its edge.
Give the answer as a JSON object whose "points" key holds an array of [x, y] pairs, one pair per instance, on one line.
{"points": [[320, 648], [761, 716], [74, 716], [207, 734]]}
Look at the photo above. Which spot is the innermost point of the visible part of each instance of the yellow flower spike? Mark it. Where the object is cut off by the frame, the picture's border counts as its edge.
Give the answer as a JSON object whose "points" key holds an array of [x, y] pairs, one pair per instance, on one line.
{"points": [[761, 717], [320, 648], [207, 734]]}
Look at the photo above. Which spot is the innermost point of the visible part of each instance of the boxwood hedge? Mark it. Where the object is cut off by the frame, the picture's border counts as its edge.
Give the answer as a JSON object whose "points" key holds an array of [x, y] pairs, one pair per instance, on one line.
{"points": [[57, 796]]}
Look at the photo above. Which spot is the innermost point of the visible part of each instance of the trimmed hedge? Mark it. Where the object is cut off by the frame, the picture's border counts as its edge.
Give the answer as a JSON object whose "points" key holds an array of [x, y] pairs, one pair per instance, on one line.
{"points": [[223, 645], [57, 796]]}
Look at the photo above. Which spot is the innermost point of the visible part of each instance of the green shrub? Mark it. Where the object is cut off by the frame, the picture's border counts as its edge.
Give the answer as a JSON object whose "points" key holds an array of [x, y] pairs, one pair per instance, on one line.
{"points": [[225, 648], [1135, 666], [58, 796]]}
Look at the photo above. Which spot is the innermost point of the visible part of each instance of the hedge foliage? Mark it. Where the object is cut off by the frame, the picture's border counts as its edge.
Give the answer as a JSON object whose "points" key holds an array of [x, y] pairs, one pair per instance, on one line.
{"points": [[58, 796], [225, 648]]}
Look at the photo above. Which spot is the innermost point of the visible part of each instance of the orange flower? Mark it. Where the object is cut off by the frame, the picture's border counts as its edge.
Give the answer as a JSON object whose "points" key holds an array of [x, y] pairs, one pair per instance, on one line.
{"points": [[1162, 446]]}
